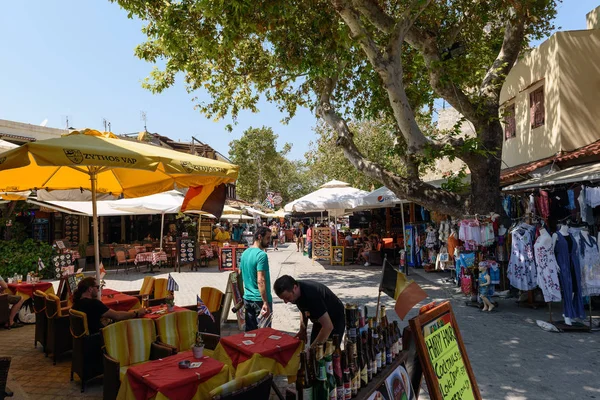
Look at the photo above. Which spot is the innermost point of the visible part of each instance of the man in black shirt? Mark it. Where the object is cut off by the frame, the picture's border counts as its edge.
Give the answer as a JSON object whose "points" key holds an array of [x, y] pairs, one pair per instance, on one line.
{"points": [[315, 302], [86, 300]]}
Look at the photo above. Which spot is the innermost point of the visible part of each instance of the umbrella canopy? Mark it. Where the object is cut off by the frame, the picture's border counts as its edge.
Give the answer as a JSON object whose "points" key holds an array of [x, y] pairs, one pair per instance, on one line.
{"points": [[281, 213], [332, 196], [4, 145], [101, 162], [231, 210], [236, 217], [379, 198]]}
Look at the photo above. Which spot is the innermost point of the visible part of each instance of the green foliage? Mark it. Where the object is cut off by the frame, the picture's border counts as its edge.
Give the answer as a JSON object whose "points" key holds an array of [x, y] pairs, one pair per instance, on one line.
{"points": [[20, 257], [326, 161], [264, 168]]}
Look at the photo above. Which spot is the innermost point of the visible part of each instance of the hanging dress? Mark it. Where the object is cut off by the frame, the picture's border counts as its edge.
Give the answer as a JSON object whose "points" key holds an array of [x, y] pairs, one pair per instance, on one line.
{"points": [[521, 271], [570, 276], [547, 270], [589, 258]]}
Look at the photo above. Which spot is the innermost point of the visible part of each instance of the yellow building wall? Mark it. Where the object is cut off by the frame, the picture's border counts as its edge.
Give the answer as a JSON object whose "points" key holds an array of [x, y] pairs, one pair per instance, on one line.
{"points": [[537, 68], [579, 87]]}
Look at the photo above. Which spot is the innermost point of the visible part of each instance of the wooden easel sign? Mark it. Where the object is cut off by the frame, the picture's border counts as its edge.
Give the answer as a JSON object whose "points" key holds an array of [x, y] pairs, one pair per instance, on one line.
{"points": [[443, 356]]}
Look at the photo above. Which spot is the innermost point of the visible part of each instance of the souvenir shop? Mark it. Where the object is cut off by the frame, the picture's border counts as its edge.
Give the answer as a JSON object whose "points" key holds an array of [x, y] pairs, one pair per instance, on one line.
{"points": [[544, 251]]}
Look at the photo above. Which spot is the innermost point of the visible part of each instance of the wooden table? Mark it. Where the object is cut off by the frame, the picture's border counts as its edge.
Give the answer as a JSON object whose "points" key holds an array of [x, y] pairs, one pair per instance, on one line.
{"points": [[118, 301], [163, 379]]}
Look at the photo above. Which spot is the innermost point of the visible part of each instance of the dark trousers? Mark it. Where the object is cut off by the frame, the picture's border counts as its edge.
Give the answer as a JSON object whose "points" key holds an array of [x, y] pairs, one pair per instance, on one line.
{"points": [[252, 312], [337, 330]]}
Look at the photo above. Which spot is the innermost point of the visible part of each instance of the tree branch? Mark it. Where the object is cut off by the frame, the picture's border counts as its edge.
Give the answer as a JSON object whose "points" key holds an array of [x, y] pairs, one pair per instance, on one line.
{"points": [[411, 187], [426, 44], [514, 34], [375, 14]]}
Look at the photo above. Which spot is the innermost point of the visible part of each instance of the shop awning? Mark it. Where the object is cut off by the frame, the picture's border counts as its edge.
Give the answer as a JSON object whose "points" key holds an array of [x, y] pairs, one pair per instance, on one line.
{"points": [[254, 211], [578, 173]]}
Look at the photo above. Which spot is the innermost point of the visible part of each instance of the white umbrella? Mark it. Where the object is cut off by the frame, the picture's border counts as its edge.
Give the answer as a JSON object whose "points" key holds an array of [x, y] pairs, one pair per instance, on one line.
{"points": [[334, 197], [235, 217]]}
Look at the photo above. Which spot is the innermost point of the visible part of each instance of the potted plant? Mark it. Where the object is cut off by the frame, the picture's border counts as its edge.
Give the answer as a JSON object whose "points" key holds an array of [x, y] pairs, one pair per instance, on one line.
{"points": [[170, 300], [198, 347]]}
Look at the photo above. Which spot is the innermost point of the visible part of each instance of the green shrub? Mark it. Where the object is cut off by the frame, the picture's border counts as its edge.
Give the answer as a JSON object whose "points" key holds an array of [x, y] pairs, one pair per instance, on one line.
{"points": [[21, 257]]}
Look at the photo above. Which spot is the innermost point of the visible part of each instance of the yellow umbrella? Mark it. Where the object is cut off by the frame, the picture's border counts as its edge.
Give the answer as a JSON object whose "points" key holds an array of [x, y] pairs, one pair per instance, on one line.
{"points": [[101, 162]]}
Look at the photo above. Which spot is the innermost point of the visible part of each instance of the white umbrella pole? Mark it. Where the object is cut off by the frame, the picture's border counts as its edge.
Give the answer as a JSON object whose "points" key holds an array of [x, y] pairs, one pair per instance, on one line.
{"points": [[94, 184], [162, 228]]}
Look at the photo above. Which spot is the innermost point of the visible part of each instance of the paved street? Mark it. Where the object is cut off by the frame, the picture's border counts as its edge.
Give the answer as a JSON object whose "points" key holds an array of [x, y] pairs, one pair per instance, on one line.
{"points": [[512, 358]]}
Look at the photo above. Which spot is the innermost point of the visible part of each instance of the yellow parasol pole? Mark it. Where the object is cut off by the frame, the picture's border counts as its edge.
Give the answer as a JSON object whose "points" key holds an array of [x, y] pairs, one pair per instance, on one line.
{"points": [[94, 184]]}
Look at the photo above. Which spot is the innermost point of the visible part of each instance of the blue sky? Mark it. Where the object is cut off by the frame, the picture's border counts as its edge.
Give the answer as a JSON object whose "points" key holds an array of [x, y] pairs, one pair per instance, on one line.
{"points": [[75, 58]]}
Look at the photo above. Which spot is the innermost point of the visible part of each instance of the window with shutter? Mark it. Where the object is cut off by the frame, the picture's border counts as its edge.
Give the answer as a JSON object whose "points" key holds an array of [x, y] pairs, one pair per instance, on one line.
{"points": [[536, 107], [510, 123]]}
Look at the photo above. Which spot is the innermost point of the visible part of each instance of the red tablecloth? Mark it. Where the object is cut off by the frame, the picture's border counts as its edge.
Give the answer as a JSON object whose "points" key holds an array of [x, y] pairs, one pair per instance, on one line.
{"points": [[160, 307], [118, 301], [151, 257], [166, 377], [280, 350], [28, 288]]}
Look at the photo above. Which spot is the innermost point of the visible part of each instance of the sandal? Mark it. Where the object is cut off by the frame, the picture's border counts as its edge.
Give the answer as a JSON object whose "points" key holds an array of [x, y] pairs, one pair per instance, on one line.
{"points": [[15, 325]]}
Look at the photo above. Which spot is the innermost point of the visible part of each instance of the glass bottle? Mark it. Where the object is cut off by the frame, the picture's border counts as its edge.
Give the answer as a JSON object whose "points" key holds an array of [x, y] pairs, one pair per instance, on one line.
{"points": [[347, 377], [303, 386], [399, 333], [367, 356], [320, 391], [337, 367], [331, 385]]}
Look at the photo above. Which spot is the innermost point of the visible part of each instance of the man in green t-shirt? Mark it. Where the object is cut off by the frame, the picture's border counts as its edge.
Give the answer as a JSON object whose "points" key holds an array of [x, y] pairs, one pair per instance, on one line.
{"points": [[254, 268]]}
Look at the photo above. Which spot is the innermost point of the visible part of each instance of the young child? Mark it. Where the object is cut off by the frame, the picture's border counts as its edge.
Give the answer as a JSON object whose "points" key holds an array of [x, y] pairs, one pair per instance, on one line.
{"points": [[484, 283]]}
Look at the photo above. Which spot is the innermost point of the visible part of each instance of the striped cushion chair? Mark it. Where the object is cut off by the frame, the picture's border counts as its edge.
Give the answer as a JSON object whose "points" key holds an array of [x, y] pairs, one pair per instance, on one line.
{"points": [[177, 330], [86, 361], [214, 300], [160, 291], [59, 339], [128, 343], [146, 289]]}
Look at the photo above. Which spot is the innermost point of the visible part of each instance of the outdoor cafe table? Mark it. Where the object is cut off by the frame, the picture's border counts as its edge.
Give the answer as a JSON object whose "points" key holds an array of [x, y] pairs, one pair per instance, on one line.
{"points": [[279, 356], [119, 301], [159, 311], [26, 290], [163, 379], [151, 257]]}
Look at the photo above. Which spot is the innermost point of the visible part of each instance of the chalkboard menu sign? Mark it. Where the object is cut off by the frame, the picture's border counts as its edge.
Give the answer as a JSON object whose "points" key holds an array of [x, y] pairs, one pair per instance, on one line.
{"points": [[337, 256], [61, 263], [443, 356], [238, 255], [321, 244], [226, 258], [186, 251]]}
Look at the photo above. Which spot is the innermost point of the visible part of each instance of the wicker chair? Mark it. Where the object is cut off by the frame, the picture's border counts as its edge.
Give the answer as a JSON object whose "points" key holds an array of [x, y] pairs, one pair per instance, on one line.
{"points": [[255, 385], [177, 330], [119, 354], [4, 366], [59, 336], [41, 321], [131, 253], [4, 310], [106, 255], [87, 349]]}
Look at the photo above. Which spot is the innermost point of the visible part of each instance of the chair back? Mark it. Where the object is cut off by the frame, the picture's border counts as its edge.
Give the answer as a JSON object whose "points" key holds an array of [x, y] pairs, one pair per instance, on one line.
{"points": [[255, 385], [89, 251], [105, 252], [212, 298], [79, 323], [121, 258], [4, 367], [39, 301], [140, 249], [132, 253], [53, 308], [178, 329], [129, 341], [147, 286], [160, 288]]}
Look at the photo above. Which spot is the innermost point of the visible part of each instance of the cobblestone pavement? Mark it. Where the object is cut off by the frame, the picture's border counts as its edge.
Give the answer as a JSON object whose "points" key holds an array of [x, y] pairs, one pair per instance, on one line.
{"points": [[512, 358]]}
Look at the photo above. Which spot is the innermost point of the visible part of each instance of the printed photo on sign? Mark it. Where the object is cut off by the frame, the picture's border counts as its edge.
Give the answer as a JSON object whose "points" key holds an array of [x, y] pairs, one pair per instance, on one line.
{"points": [[398, 385]]}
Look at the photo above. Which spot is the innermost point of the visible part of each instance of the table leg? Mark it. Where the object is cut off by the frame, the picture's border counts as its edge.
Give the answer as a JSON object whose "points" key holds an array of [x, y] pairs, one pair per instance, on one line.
{"points": [[151, 268], [277, 391]]}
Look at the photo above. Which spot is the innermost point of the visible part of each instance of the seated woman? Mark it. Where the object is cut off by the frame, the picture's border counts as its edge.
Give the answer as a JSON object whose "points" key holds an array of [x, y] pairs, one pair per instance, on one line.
{"points": [[363, 254]]}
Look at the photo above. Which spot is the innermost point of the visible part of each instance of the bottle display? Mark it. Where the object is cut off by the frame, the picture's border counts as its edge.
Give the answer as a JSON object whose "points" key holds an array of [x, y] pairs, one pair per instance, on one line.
{"points": [[304, 388]]}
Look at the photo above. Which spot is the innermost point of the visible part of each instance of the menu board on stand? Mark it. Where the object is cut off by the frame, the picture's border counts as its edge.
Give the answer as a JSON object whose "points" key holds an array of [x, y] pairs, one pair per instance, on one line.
{"points": [[337, 255], [238, 255], [442, 354], [321, 244], [71, 228], [186, 251], [226, 258]]}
